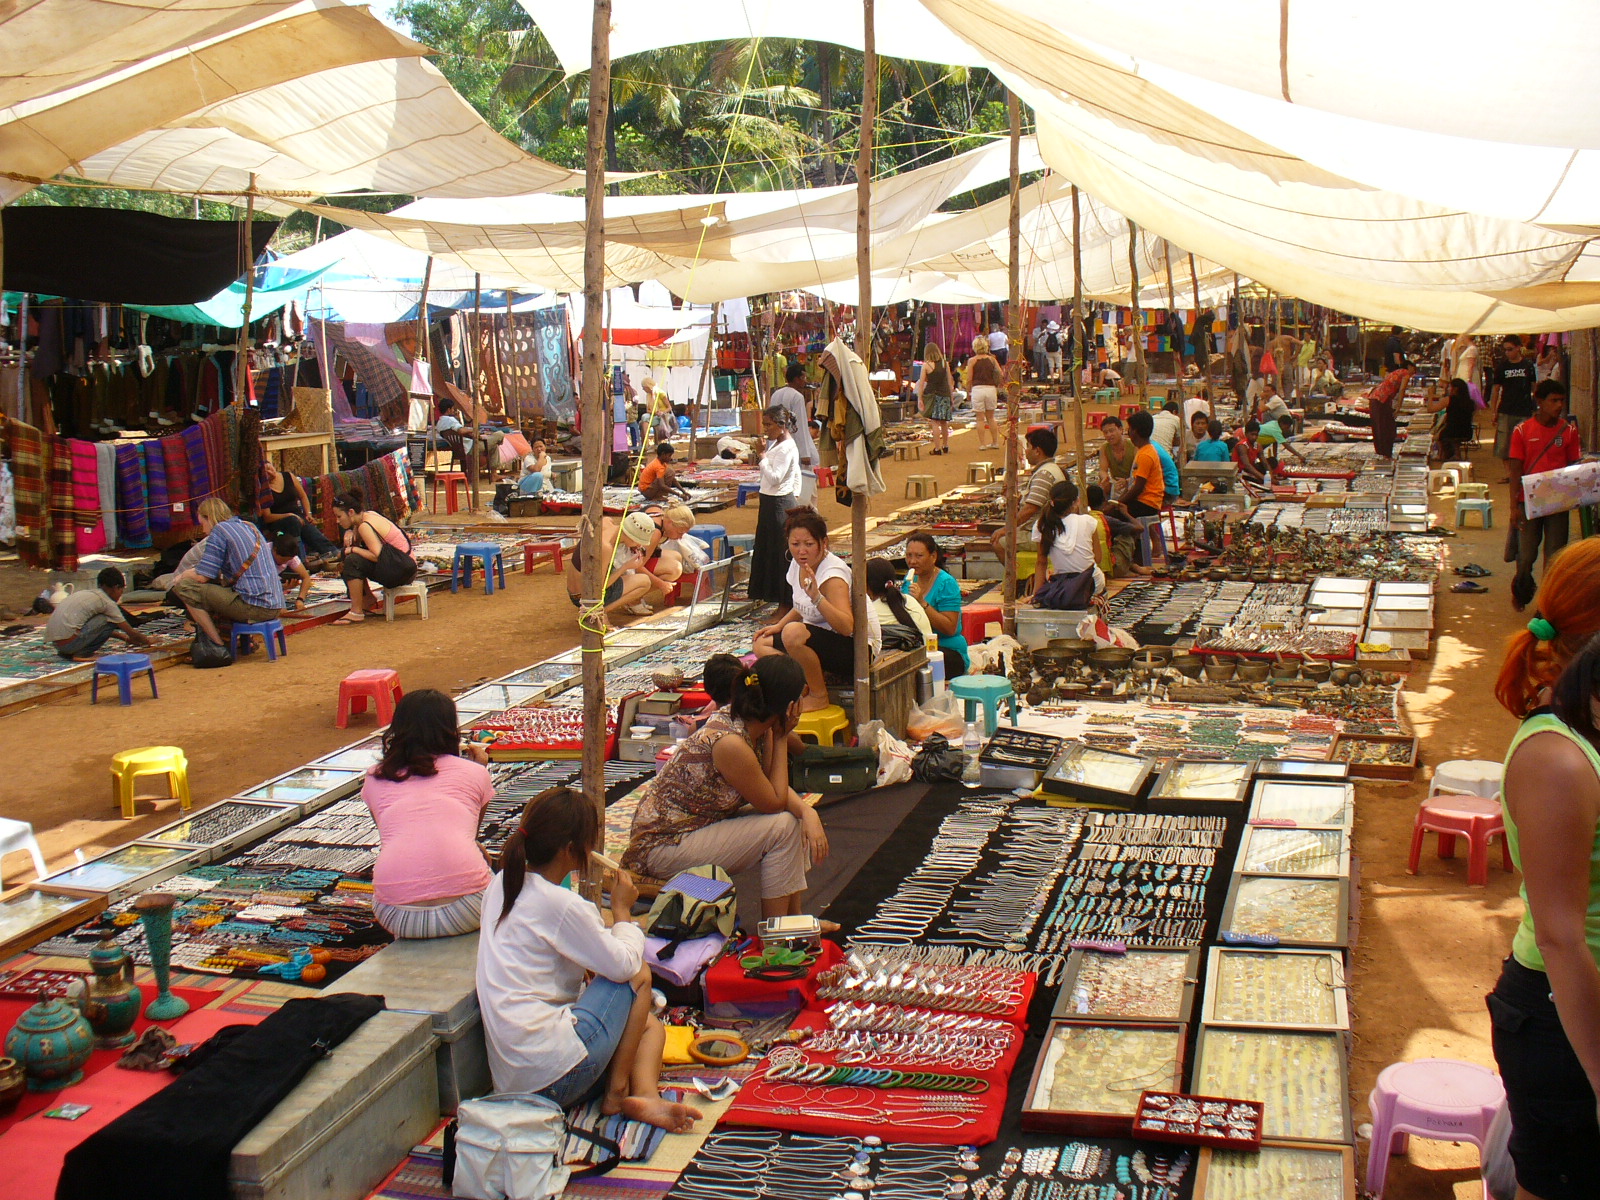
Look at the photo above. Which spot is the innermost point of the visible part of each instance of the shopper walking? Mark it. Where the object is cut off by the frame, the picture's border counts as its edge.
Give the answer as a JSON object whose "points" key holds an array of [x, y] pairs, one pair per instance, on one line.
{"points": [[1511, 397], [983, 391], [1544, 442], [936, 396], [780, 491], [790, 398]]}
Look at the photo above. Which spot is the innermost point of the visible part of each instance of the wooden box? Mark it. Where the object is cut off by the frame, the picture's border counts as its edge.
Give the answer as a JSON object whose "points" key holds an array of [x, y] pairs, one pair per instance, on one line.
{"points": [[29, 916], [1278, 1169], [1404, 768], [1296, 910], [894, 687], [1302, 1078], [1277, 989], [1140, 986], [1094, 1064]]}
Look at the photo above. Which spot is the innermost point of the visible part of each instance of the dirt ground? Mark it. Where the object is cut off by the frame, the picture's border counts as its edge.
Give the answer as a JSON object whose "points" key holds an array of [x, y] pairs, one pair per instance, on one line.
{"points": [[1429, 946]]}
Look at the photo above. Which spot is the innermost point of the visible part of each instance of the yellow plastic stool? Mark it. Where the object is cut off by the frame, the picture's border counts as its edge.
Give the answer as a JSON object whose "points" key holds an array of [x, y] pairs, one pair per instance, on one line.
{"points": [[128, 765], [824, 725], [1472, 491]]}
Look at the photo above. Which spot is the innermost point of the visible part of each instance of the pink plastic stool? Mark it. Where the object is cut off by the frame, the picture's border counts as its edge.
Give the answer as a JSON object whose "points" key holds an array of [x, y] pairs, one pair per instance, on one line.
{"points": [[1473, 817], [534, 551], [1436, 1098], [380, 684]]}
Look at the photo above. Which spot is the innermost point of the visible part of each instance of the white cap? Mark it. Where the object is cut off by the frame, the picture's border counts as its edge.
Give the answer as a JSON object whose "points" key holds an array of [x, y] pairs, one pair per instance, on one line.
{"points": [[638, 529]]}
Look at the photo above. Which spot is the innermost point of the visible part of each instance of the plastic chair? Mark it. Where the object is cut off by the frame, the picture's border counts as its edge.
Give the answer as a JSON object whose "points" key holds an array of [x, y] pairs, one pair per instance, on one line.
{"points": [[980, 472], [823, 725], [1461, 467], [1095, 420], [409, 591], [267, 630], [1148, 539], [738, 542], [1468, 777], [461, 565], [17, 836], [534, 551], [1436, 1098], [824, 477], [1475, 818], [1437, 480], [976, 618], [128, 765], [1472, 491], [990, 691], [924, 485], [746, 490], [379, 684], [711, 535], [124, 667], [1126, 410], [451, 480], [1484, 509]]}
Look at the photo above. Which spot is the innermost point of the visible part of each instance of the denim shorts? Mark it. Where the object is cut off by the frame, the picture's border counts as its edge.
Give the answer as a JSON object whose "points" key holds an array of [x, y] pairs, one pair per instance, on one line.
{"points": [[599, 1016], [1555, 1141]]}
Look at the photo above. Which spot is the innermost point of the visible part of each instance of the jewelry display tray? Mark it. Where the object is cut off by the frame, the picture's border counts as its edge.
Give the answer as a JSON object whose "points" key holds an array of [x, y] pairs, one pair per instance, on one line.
{"points": [[1178, 791], [123, 872], [1298, 851], [261, 818], [1278, 1171], [1294, 802], [1283, 1121], [1284, 979], [1252, 900], [314, 786], [1111, 1120], [1177, 1004], [1103, 778]]}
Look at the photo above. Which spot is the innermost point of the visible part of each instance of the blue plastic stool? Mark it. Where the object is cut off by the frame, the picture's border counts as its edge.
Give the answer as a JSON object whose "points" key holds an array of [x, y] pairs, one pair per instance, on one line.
{"points": [[124, 667], [746, 490], [461, 565], [991, 690], [711, 535], [1146, 524], [267, 629]]}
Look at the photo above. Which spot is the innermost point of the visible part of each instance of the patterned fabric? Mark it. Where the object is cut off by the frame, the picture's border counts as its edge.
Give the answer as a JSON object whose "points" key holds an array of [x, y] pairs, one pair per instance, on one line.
{"points": [[26, 446], [251, 460], [134, 522], [689, 794], [160, 503], [230, 545], [178, 487], [85, 516], [62, 547], [194, 452], [430, 921], [224, 472], [105, 455]]}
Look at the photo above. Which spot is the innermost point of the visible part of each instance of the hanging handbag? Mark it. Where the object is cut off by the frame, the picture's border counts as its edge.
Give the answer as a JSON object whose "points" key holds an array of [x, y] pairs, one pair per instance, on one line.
{"points": [[510, 1146]]}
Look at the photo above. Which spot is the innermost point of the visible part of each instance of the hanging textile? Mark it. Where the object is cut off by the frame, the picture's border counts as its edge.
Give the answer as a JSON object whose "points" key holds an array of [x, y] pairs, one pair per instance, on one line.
{"points": [[62, 550], [553, 342], [178, 483], [194, 452], [224, 472], [160, 504], [105, 455], [89, 528], [25, 446], [132, 496]]}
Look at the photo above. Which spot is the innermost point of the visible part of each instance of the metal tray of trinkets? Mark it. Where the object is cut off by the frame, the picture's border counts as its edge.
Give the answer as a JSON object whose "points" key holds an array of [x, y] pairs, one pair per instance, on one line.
{"points": [[310, 788], [1102, 778], [1138, 985], [230, 825], [1202, 788], [1088, 1077], [123, 872], [1199, 1120], [1015, 758], [1277, 1171]]}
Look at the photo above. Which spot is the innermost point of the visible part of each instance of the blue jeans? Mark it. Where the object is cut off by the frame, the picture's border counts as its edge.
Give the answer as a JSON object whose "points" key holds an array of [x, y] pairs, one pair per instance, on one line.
{"points": [[600, 1016], [96, 632]]}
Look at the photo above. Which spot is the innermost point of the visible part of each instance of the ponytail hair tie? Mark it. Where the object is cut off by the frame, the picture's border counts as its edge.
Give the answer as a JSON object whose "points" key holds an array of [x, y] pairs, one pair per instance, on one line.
{"points": [[752, 680], [1542, 629]]}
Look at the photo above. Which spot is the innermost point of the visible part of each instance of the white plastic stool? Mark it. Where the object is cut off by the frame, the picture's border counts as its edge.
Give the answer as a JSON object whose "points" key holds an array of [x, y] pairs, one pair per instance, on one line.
{"points": [[1467, 777], [16, 836], [1462, 469], [418, 590], [1484, 509], [1437, 480]]}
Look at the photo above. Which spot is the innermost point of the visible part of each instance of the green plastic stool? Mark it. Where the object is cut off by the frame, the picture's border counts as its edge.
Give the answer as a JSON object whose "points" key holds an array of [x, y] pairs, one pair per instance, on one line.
{"points": [[991, 690]]}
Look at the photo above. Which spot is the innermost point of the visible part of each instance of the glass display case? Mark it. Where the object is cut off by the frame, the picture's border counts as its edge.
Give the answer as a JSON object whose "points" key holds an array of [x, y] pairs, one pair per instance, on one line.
{"points": [[1269, 850], [1298, 989], [1141, 985], [125, 871], [310, 788], [218, 831], [1298, 911], [1089, 1077], [1293, 802], [1300, 1078]]}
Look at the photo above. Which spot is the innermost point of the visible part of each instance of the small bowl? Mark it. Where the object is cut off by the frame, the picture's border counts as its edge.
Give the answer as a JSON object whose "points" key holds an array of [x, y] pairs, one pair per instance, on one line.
{"points": [[1189, 665], [1077, 648], [668, 679], [1219, 671], [1285, 670], [1253, 670], [641, 732], [1317, 670], [1111, 659]]}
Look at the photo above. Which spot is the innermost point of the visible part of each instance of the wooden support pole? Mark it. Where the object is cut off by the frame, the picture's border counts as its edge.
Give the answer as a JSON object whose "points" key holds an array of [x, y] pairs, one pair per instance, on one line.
{"points": [[858, 505], [1202, 340], [1137, 317], [422, 356], [242, 378], [699, 400], [1013, 380], [596, 425], [1172, 308], [1080, 340], [472, 395]]}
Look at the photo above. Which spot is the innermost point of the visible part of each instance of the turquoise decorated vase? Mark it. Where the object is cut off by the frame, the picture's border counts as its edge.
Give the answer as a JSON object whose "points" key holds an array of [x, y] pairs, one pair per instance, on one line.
{"points": [[52, 1041]]}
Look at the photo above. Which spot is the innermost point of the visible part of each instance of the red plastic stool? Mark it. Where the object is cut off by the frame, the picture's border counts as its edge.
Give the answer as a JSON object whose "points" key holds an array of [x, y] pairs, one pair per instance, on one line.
{"points": [[534, 551], [381, 684], [975, 618], [1096, 419], [451, 480], [1477, 819], [1126, 410], [824, 476]]}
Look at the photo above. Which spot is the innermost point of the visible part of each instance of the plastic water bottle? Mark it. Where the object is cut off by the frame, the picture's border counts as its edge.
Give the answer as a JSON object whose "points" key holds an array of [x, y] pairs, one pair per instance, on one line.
{"points": [[936, 663], [971, 747]]}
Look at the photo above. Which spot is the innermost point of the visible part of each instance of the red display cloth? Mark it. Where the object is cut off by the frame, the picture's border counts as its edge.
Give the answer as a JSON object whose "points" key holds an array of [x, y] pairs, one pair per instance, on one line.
{"points": [[846, 1106], [32, 1102], [34, 1150], [726, 983]]}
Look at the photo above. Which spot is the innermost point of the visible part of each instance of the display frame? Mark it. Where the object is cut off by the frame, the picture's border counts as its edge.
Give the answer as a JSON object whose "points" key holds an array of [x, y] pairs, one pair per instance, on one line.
{"points": [[317, 801], [1098, 794], [74, 909], [1161, 798], [275, 815], [512, 695], [1254, 834], [1311, 770], [1091, 1122], [1340, 989], [1402, 771], [1064, 1011], [1341, 1064], [61, 882], [1207, 1188], [1341, 939], [364, 748], [1268, 792]]}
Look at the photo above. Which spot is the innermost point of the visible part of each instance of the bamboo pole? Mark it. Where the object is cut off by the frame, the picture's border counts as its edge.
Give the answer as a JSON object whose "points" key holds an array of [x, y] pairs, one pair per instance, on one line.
{"points": [[1172, 309], [1202, 340], [1133, 296], [1080, 340], [472, 395], [242, 384], [596, 425], [422, 356], [1013, 380], [858, 504], [699, 401]]}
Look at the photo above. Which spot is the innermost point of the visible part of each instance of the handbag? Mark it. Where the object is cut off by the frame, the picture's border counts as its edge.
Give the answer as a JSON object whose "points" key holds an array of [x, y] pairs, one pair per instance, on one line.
{"points": [[1066, 591], [510, 1146], [205, 653], [900, 637]]}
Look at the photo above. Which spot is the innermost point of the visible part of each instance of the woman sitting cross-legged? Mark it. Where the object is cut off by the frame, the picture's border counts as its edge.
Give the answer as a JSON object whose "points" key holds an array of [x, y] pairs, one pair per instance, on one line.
{"points": [[817, 627], [427, 800], [691, 815], [547, 1032]]}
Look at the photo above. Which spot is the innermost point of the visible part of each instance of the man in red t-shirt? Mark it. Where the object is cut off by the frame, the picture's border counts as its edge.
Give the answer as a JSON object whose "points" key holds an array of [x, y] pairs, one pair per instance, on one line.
{"points": [[1544, 442]]}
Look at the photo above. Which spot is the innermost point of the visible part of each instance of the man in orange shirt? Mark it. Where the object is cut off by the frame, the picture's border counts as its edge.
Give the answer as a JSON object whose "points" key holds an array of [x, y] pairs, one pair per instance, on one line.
{"points": [[657, 479], [1147, 483]]}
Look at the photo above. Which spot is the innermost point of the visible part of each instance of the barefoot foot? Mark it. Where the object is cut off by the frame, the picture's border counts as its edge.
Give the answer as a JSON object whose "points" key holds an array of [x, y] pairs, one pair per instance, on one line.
{"points": [[663, 1114]]}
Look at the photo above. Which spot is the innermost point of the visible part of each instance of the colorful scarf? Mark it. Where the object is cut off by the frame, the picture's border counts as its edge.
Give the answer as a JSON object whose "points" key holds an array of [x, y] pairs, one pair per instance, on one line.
{"points": [[252, 461], [86, 518], [194, 452], [26, 446], [224, 472], [62, 549], [131, 498], [105, 459], [178, 484], [160, 497]]}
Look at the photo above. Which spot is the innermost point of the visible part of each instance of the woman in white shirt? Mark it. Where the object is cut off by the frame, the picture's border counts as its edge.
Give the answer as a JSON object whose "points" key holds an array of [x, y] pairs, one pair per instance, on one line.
{"points": [[546, 1031], [780, 491], [818, 627], [1066, 538]]}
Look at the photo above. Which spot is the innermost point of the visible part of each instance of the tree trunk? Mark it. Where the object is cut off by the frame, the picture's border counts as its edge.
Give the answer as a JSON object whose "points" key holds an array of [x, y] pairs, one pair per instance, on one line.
{"points": [[827, 60], [858, 504]]}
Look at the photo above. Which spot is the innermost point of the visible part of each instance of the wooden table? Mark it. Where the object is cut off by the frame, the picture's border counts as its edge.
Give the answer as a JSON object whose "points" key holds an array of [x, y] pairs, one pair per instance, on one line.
{"points": [[279, 442]]}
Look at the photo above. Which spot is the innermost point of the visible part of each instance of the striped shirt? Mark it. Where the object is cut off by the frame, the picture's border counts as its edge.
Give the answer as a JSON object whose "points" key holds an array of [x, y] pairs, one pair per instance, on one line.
{"points": [[228, 548]]}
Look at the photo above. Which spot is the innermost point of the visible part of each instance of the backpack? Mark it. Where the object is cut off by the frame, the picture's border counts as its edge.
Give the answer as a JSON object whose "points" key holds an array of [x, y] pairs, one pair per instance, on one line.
{"points": [[510, 1146], [1052, 342], [679, 918]]}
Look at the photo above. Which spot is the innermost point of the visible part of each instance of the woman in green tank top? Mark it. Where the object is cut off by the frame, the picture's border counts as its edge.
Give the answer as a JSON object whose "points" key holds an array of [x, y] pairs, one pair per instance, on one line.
{"points": [[1545, 1009]]}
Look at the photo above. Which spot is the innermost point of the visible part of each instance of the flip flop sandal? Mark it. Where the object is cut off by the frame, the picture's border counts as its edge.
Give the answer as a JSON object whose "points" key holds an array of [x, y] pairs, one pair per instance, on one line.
{"points": [[1466, 585], [347, 619], [1473, 571]]}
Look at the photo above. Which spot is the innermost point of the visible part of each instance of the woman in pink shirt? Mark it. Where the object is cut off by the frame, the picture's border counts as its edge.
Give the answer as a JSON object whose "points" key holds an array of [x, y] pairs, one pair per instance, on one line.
{"points": [[427, 801]]}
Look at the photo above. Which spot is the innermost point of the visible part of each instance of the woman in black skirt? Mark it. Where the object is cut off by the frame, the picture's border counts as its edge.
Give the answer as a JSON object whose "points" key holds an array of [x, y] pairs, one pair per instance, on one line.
{"points": [[780, 490]]}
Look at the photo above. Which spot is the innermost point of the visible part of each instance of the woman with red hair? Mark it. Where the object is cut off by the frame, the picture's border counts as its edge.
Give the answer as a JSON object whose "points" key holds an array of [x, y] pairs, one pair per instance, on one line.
{"points": [[1545, 1009]]}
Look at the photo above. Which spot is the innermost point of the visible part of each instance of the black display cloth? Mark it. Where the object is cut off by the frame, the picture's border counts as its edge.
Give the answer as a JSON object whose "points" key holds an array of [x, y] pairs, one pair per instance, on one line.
{"points": [[111, 256], [179, 1141]]}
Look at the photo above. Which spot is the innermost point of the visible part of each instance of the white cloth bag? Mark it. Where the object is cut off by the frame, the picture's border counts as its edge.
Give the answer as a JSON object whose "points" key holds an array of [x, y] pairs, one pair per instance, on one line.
{"points": [[508, 1147]]}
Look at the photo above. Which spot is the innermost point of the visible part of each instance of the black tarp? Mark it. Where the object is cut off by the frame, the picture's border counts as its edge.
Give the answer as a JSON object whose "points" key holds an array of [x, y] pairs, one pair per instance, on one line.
{"points": [[117, 257]]}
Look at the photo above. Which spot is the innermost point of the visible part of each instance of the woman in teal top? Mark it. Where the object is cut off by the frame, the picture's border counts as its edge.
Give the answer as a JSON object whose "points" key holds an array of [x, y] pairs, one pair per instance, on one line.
{"points": [[930, 585], [1545, 1009], [1213, 448]]}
